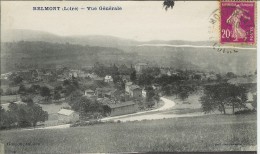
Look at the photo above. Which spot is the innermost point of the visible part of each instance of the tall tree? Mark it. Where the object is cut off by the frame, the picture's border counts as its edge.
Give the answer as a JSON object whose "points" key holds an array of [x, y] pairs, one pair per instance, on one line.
{"points": [[22, 89], [133, 76], [16, 79], [231, 75], [236, 97], [37, 114], [149, 93], [56, 95], [23, 115], [45, 92], [217, 97], [74, 98], [166, 89], [156, 98]]}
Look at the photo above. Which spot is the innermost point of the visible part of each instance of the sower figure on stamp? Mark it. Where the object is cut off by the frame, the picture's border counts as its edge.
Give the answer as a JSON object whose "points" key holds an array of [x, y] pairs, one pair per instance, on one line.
{"points": [[234, 20]]}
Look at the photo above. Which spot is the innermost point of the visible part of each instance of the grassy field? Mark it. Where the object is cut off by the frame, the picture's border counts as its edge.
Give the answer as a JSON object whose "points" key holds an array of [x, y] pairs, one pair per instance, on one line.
{"points": [[53, 108], [206, 133], [193, 105]]}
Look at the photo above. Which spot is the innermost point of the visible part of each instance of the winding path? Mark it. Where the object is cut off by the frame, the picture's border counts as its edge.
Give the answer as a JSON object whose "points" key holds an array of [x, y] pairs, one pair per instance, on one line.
{"points": [[145, 115]]}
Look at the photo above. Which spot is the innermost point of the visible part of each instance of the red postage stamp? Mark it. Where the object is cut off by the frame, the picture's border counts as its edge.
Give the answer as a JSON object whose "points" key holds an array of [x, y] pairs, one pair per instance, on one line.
{"points": [[238, 24]]}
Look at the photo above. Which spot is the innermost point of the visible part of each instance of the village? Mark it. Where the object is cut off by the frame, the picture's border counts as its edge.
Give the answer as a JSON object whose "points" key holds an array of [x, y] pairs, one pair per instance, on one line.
{"points": [[118, 90]]}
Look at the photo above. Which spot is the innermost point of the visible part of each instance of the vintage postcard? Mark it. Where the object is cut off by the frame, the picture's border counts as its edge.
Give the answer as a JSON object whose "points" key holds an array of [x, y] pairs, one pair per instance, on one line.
{"points": [[128, 76]]}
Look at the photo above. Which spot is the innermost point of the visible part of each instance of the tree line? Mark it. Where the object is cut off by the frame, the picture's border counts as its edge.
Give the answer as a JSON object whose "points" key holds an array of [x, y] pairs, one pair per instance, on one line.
{"points": [[223, 95], [22, 115]]}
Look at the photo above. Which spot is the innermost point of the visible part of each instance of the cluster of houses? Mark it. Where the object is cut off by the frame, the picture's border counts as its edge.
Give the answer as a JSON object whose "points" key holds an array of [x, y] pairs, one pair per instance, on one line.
{"points": [[190, 75], [61, 74], [120, 102], [168, 71], [5, 76]]}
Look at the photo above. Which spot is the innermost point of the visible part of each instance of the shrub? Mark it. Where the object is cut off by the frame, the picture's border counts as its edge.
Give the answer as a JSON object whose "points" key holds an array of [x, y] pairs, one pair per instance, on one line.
{"points": [[247, 111]]}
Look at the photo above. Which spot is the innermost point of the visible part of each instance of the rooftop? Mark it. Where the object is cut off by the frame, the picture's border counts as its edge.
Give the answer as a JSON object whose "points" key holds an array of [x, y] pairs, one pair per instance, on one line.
{"points": [[105, 89], [89, 90], [129, 83], [128, 103]]}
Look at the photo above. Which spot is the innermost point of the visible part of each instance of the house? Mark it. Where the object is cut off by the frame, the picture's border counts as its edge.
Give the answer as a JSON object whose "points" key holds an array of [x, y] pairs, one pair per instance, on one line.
{"points": [[59, 67], [125, 78], [34, 73], [251, 101], [123, 108], [173, 73], [156, 86], [92, 75], [127, 87], [37, 75], [163, 71], [67, 116], [117, 94], [250, 97], [6, 75], [77, 74], [108, 79], [89, 92], [73, 74], [135, 92], [144, 93], [105, 101], [210, 76], [104, 92], [139, 67], [169, 73]]}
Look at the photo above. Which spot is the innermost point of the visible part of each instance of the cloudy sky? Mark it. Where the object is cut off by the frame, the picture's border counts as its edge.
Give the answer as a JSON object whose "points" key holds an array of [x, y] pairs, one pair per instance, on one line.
{"points": [[141, 20]]}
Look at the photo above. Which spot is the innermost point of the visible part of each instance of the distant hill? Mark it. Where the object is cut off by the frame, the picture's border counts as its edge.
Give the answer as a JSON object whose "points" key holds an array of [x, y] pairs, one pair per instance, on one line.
{"points": [[35, 48], [28, 55], [92, 40]]}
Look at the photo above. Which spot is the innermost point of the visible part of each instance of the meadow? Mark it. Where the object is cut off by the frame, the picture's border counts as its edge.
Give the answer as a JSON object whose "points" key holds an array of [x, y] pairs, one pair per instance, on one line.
{"points": [[205, 133]]}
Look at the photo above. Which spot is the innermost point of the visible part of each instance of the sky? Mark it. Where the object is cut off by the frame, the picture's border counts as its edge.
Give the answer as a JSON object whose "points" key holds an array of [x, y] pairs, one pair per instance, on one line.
{"points": [[140, 20]]}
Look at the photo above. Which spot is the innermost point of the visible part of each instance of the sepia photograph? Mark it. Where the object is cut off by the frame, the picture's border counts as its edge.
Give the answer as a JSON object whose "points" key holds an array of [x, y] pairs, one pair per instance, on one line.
{"points": [[128, 76]]}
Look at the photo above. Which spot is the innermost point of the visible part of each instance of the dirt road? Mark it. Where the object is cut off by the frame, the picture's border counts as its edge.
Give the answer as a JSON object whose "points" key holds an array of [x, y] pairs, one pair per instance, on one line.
{"points": [[152, 114]]}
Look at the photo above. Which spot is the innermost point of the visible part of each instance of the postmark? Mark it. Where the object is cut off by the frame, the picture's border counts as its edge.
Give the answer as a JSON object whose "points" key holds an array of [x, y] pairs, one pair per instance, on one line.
{"points": [[237, 22], [214, 37]]}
